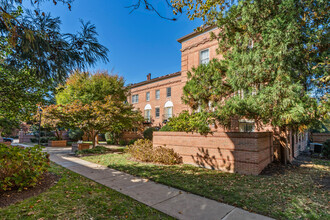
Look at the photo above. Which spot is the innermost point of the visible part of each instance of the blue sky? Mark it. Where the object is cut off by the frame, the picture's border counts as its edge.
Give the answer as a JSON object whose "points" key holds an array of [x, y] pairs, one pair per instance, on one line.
{"points": [[139, 43]]}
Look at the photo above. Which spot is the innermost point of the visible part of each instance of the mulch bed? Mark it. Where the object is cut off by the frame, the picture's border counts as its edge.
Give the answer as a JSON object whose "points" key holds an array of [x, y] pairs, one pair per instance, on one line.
{"points": [[13, 196]]}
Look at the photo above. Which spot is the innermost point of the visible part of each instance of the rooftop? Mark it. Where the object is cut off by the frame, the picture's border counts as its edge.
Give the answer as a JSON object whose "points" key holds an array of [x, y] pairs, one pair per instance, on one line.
{"points": [[196, 33], [149, 80]]}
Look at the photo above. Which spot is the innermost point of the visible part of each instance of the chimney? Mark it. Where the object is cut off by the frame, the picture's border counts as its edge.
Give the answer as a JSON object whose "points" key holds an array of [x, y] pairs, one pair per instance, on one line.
{"points": [[149, 77]]}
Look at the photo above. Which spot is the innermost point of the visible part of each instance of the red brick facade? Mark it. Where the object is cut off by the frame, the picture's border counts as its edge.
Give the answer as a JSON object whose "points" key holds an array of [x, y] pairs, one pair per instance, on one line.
{"points": [[239, 152]]}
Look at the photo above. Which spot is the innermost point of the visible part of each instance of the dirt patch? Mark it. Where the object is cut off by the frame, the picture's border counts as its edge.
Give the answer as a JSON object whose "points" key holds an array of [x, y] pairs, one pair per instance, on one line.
{"points": [[13, 196], [276, 168]]}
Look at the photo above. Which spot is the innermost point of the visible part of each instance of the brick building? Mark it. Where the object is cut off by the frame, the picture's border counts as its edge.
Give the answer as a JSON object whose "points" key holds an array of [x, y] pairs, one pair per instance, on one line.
{"points": [[160, 98]]}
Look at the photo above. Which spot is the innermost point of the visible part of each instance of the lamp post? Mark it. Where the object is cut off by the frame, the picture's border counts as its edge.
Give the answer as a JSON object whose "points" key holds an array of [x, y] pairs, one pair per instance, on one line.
{"points": [[40, 111]]}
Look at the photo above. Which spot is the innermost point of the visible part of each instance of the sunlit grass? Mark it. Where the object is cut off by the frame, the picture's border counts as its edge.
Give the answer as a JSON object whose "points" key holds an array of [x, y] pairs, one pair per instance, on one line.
{"points": [[292, 195], [76, 197]]}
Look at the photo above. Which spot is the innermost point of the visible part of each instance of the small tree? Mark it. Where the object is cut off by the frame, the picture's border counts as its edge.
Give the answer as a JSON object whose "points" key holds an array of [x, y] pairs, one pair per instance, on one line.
{"points": [[99, 116]]}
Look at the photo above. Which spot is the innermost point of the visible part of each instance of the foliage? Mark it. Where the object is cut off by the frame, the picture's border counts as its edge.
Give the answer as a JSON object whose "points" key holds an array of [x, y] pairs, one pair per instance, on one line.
{"points": [[148, 133], [326, 149], [143, 150], [299, 191], [87, 87], [82, 105], [166, 128], [50, 121], [36, 56], [267, 74], [112, 137], [95, 150], [72, 192], [122, 142], [99, 116], [195, 122], [7, 126], [21, 167], [75, 134]]}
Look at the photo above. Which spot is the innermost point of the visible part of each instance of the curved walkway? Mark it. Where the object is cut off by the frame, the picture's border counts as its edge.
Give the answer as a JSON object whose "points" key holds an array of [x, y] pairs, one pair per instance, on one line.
{"points": [[174, 202]]}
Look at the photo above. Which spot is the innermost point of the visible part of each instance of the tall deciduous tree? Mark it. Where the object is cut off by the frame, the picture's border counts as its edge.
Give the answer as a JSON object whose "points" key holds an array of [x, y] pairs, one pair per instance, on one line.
{"points": [[275, 65]]}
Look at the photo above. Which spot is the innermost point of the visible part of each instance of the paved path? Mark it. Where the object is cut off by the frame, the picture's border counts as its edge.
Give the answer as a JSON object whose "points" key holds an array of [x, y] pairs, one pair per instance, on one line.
{"points": [[174, 202]]}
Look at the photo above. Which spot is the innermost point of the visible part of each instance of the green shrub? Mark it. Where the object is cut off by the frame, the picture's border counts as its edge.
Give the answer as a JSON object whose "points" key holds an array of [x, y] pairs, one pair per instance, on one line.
{"points": [[326, 149], [75, 134], [131, 141], [122, 142], [144, 151], [111, 137], [166, 128], [21, 167], [148, 133], [96, 150], [196, 122], [34, 140], [111, 142]]}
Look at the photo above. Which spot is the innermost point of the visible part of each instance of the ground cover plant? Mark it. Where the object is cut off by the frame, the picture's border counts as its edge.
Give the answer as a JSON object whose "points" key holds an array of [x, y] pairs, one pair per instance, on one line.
{"points": [[76, 197], [98, 150], [21, 168], [297, 192], [143, 150]]}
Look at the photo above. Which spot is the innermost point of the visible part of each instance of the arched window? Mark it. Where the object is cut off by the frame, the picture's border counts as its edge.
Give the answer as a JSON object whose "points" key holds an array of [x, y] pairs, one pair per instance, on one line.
{"points": [[168, 110], [147, 113]]}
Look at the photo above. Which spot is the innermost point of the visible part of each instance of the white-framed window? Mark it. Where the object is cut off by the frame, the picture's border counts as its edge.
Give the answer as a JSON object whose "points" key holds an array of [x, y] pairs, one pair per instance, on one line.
{"points": [[204, 56], [148, 96], [135, 99], [246, 125], [168, 92], [157, 112], [168, 112], [147, 115], [157, 95]]}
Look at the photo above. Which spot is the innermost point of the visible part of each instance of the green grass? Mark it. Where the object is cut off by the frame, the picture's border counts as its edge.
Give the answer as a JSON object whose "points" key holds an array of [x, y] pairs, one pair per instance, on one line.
{"points": [[96, 150], [76, 197], [295, 194]]}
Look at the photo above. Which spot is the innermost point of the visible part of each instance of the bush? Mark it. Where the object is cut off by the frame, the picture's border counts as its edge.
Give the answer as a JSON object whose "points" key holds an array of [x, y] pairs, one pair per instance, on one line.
{"points": [[122, 142], [144, 151], [131, 142], [166, 128], [111, 142], [147, 134], [96, 150], [75, 134], [326, 149], [196, 122], [21, 167]]}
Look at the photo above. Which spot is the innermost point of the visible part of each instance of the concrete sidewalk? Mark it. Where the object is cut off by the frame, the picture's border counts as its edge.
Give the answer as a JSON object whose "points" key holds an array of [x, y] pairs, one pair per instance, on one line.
{"points": [[174, 202]]}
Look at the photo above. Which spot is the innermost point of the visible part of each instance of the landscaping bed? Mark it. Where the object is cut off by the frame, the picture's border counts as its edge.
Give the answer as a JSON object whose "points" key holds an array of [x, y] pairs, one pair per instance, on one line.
{"points": [[76, 197], [295, 192], [13, 196]]}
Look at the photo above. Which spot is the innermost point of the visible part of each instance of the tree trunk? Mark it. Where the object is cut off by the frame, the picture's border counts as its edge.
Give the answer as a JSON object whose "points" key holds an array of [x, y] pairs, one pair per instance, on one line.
{"points": [[284, 145], [94, 135]]}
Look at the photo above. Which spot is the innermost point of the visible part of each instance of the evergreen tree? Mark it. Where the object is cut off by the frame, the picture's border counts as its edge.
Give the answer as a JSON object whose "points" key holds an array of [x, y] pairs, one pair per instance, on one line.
{"points": [[275, 65]]}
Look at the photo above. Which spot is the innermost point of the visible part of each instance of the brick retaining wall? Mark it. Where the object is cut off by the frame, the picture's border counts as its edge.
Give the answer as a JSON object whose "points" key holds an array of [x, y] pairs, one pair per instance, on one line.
{"points": [[320, 137], [245, 153]]}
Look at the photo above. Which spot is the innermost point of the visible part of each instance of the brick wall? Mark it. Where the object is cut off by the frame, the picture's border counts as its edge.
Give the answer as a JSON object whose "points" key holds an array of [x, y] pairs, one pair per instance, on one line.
{"points": [[245, 153], [320, 137]]}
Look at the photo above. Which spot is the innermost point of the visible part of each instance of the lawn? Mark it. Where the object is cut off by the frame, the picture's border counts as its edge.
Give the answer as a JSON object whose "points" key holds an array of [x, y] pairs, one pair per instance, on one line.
{"points": [[76, 197], [295, 194]]}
